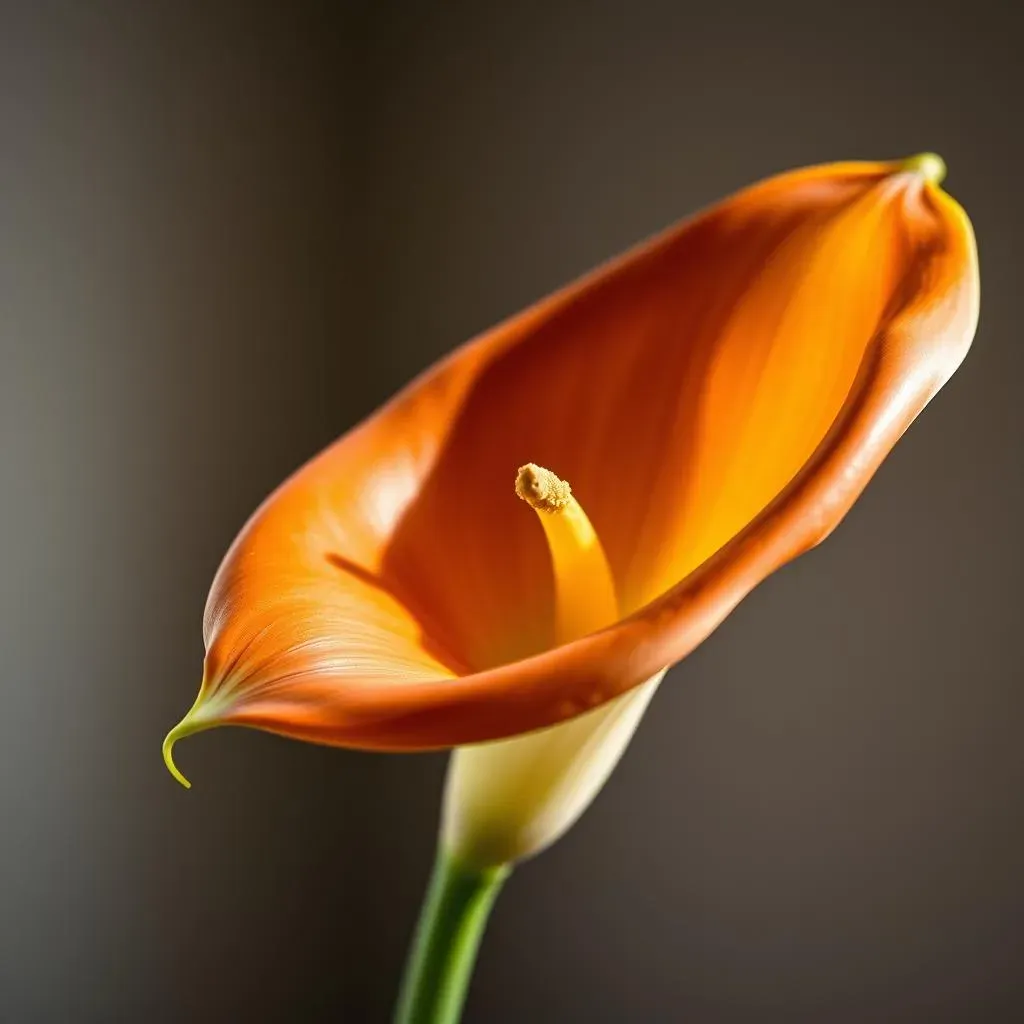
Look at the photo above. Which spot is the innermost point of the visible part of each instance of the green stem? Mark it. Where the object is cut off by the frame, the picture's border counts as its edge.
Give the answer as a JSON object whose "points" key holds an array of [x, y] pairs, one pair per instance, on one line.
{"points": [[443, 953]]}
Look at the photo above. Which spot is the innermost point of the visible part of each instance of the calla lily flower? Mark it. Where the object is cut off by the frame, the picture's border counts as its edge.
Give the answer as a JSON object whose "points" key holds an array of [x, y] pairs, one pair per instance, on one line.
{"points": [[717, 398], [712, 402]]}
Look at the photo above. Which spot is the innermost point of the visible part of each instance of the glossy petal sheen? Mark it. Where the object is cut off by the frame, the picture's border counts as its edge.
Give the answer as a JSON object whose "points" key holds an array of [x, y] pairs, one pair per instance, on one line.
{"points": [[717, 397]]}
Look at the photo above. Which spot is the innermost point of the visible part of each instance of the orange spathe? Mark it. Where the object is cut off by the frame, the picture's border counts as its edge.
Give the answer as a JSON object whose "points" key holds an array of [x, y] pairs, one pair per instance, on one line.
{"points": [[718, 398]]}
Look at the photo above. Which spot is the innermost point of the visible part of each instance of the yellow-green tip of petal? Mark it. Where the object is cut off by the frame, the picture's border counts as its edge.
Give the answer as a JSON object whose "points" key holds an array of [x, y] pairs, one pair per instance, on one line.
{"points": [[198, 718], [930, 166], [181, 729]]}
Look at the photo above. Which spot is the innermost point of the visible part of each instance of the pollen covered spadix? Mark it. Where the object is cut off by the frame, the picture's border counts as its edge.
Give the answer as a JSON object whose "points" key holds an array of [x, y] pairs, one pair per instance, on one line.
{"points": [[541, 489], [585, 598]]}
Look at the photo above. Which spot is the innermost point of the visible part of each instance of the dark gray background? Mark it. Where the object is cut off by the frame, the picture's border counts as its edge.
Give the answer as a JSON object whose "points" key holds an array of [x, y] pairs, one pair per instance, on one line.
{"points": [[227, 232]]}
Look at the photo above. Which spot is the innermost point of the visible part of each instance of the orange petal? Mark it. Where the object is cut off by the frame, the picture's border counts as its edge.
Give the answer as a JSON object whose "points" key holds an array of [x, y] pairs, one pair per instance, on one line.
{"points": [[718, 398]]}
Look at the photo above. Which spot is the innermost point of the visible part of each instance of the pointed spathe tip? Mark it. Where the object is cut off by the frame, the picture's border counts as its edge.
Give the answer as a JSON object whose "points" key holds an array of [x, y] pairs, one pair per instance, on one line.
{"points": [[168, 750], [200, 717], [930, 166]]}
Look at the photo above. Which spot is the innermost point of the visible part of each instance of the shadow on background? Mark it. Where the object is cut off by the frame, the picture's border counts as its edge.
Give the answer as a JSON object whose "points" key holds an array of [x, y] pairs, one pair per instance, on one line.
{"points": [[227, 232]]}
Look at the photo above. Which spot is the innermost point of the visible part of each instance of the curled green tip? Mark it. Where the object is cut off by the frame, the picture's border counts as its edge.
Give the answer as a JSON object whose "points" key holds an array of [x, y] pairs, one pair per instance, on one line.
{"points": [[930, 166], [201, 716], [181, 729]]}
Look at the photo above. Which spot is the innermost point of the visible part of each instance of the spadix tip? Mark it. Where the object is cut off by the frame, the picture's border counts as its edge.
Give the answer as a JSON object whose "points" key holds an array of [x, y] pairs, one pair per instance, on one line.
{"points": [[541, 489]]}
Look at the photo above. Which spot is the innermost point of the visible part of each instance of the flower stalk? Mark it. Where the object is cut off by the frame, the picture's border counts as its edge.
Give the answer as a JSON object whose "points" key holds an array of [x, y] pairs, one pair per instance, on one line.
{"points": [[444, 948]]}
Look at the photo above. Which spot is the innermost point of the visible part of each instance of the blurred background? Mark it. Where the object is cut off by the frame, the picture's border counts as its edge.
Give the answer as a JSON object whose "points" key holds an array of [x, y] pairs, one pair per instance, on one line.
{"points": [[229, 231]]}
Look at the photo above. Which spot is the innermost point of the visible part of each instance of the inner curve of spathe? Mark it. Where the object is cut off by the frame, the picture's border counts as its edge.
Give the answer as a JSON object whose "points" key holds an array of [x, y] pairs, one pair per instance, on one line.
{"points": [[441, 639], [477, 574], [441, 643]]}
